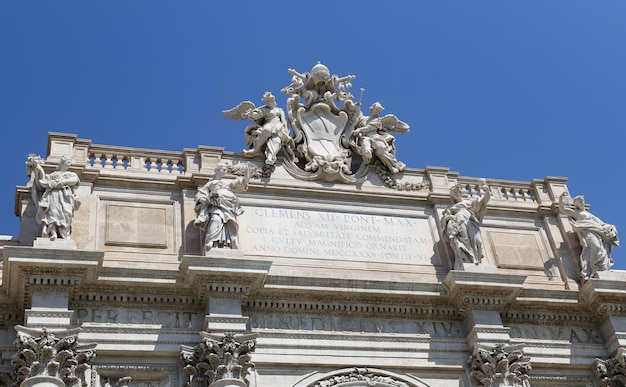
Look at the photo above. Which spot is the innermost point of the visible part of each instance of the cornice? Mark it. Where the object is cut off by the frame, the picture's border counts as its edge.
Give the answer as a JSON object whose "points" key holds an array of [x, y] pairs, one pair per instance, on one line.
{"points": [[25, 268], [479, 290], [223, 272]]}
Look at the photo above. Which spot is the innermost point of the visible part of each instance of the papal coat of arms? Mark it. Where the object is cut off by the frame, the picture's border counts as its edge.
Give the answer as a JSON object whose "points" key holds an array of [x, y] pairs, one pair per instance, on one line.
{"points": [[332, 139]]}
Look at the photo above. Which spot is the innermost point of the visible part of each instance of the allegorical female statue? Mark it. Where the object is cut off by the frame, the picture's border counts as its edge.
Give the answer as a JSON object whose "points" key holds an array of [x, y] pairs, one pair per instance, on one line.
{"points": [[55, 197], [595, 236], [461, 224], [217, 208]]}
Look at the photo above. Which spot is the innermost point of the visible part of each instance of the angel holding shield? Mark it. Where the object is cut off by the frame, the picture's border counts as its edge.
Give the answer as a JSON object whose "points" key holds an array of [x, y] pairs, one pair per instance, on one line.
{"points": [[269, 132], [372, 138]]}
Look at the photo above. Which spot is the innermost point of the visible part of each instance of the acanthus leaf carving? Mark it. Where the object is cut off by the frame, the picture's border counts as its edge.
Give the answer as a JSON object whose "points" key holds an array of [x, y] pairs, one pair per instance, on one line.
{"points": [[44, 354], [218, 357], [612, 372], [499, 366]]}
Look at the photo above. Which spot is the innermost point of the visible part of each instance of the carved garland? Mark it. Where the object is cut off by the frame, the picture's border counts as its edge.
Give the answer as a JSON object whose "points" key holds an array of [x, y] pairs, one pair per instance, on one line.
{"points": [[384, 175]]}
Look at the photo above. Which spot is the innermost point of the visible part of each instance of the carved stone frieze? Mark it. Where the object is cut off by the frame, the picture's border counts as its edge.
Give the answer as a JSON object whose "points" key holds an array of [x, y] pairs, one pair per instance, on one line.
{"points": [[218, 358], [500, 366], [135, 375], [611, 372], [363, 375], [41, 354]]}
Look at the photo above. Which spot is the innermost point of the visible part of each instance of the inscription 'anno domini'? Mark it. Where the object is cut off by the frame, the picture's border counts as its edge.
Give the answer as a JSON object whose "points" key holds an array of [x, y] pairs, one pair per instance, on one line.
{"points": [[317, 234]]}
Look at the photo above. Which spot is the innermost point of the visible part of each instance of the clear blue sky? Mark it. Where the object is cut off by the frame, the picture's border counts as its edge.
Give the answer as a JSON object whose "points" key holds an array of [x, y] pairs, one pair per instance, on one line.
{"points": [[497, 89]]}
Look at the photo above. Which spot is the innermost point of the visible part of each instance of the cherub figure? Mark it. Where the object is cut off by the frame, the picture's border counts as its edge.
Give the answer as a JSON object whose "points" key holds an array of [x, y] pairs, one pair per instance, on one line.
{"points": [[372, 138], [269, 132], [595, 236]]}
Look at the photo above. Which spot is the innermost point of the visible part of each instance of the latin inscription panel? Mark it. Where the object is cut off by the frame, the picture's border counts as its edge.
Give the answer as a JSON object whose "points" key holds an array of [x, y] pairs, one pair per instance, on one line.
{"points": [[286, 322], [334, 235]]}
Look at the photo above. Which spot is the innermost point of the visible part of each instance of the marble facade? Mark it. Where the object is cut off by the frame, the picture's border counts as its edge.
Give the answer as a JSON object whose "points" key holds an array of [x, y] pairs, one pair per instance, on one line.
{"points": [[352, 282]]}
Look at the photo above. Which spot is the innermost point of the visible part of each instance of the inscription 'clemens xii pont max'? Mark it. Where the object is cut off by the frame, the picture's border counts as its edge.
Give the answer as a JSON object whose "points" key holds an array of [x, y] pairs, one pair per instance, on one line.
{"points": [[333, 235]]}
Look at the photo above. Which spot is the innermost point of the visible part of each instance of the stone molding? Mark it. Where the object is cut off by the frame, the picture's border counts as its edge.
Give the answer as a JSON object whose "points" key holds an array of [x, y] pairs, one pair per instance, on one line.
{"points": [[358, 376], [219, 360], [548, 317], [482, 291], [370, 377], [425, 312], [500, 366], [26, 268], [228, 277]]}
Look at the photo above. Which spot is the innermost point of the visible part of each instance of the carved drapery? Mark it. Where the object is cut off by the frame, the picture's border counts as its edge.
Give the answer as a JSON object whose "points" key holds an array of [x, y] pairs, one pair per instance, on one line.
{"points": [[500, 366], [40, 354], [612, 372], [219, 360]]}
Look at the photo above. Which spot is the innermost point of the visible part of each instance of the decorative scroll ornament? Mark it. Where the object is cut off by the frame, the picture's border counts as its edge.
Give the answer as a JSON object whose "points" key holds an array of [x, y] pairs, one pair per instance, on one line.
{"points": [[500, 366], [332, 139], [47, 356], [612, 372], [218, 359], [361, 375]]}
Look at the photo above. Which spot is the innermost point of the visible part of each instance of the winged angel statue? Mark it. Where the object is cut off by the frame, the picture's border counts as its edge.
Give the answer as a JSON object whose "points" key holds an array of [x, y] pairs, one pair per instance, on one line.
{"points": [[269, 132], [332, 139]]}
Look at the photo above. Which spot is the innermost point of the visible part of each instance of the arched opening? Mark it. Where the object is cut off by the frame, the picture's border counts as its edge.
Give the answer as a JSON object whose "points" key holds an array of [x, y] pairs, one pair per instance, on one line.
{"points": [[359, 377]]}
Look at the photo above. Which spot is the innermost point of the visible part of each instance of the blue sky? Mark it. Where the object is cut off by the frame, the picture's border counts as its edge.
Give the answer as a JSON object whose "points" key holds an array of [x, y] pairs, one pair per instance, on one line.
{"points": [[497, 89]]}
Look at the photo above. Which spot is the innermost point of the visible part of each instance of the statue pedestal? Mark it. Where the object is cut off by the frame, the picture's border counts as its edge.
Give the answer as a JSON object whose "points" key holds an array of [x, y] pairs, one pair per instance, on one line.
{"points": [[229, 383], [483, 267], [42, 381], [61, 244]]}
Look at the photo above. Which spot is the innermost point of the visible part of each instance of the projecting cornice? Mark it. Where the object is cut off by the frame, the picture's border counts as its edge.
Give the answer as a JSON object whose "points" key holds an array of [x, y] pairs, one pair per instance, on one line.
{"points": [[224, 272], [606, 295], [487, 291], [26, 267]]}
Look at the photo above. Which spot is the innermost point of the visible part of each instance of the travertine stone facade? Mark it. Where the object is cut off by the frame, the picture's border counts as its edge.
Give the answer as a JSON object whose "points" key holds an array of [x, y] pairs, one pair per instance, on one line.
{"points": [[331, 283]]}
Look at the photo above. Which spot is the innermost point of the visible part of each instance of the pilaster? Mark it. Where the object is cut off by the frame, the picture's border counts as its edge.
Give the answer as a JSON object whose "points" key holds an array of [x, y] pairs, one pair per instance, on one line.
{"points": [[606, 298], [44, 279], [221, 280]]}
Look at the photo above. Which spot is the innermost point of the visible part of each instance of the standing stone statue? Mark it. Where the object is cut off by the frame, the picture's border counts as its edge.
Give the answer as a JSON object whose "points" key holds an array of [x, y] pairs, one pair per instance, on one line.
{"points": [[55, 196], [596, 237], [461, 225], [217, 207]]}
